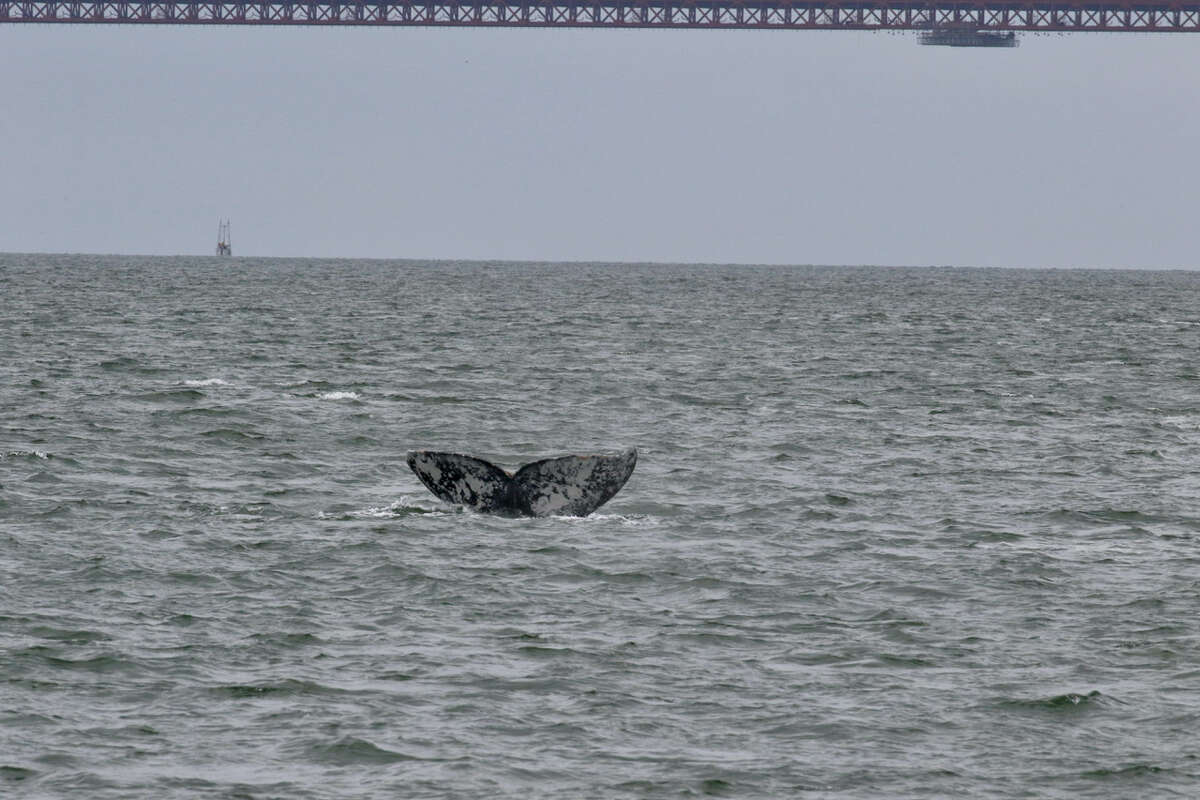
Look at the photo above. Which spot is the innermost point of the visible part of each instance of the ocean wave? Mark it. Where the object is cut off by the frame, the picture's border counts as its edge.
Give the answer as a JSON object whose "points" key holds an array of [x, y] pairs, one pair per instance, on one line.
{"points": [[253, 569]]}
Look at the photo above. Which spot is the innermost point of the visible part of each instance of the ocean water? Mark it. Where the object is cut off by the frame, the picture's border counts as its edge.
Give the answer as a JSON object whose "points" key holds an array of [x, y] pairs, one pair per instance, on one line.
{"points": [[893, 533]]}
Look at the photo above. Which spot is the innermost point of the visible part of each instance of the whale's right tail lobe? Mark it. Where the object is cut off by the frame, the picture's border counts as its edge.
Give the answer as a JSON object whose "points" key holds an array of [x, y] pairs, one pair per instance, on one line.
{"points": [[573, 486]]}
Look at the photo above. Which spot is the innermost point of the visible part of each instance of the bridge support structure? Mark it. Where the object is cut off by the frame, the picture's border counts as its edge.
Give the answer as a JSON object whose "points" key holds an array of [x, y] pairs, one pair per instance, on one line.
{"points": [[1109, 16]]}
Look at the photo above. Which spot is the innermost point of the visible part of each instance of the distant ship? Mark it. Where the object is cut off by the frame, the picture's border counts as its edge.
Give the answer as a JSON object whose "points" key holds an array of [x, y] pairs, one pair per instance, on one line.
{"points": [[966, 35], [224, 240]]}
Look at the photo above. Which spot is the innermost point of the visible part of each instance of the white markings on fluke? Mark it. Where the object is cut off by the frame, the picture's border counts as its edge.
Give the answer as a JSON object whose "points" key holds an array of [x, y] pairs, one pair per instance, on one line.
{"points": [[569, 486]]}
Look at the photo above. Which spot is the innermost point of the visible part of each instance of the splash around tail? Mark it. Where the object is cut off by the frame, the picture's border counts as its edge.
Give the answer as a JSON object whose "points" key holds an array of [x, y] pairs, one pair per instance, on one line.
{"points": [[570, 486]]}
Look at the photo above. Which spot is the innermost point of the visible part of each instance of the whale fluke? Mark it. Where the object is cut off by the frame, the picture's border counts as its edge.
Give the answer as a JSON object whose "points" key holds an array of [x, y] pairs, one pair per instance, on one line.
{"points": [[569, 486]]}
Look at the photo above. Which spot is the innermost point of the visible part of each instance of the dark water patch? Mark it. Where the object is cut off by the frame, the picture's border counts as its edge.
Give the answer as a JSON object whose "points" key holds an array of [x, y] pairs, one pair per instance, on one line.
{"points": [[159, 469], [890, 617], [59, 760], [194, 578], [287, 640], [134, 731], [360, 441], [519, 635], [119, 364], [202, 412], [1131, 520], [172, 396], [11, 774], [554, 550], [68, 636], [976, 537], [104, 664], [890, 660], [33, 684], [716, 787], [286, 688], [261, 545], [352, 751], [1068, 702], [1136, 773], [626, 578], [1147, 603], [59, 510]]}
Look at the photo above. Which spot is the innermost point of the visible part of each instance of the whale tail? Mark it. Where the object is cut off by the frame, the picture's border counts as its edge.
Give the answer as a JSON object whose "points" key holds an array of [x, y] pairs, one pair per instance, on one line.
{"points": [[570, 486]]}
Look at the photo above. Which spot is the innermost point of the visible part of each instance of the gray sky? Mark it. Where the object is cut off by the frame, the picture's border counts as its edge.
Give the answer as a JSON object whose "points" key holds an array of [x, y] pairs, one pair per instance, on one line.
{"points": [[713, 146]]}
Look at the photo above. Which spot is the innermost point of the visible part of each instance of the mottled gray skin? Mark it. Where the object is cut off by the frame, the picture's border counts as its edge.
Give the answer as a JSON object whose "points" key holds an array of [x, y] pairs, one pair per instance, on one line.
{"points": [[569, 486]]}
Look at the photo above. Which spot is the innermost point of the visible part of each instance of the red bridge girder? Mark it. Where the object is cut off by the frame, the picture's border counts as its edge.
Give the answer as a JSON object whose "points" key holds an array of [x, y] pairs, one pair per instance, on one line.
{"points": [[980, 15]]}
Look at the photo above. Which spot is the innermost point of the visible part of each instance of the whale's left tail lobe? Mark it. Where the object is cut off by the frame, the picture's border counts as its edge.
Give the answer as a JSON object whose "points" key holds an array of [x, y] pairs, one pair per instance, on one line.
{"points": [[464, 481], [572, 486]]}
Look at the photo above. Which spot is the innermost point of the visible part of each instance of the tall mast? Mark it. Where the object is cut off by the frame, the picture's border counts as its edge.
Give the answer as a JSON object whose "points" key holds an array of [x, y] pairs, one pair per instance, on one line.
{"points": [[224, 246]]}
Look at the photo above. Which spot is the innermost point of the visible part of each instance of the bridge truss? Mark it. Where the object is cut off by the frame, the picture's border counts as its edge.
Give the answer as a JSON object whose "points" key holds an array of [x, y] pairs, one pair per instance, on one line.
{"points": [[925, 15]]}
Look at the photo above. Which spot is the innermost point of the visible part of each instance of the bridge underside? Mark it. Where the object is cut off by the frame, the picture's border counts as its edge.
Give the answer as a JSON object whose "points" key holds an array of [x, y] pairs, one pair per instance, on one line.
{"points": [[937, 15]]}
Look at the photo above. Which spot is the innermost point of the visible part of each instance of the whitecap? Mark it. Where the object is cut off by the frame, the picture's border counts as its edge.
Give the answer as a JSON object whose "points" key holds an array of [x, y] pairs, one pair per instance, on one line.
{"points": [[635, 520], [206, 382], [400, 508], [379, 512], [339, 396]]}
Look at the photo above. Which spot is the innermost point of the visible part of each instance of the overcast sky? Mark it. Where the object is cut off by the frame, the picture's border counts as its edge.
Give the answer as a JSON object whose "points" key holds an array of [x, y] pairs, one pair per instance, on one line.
{"points": [[698, 146]]}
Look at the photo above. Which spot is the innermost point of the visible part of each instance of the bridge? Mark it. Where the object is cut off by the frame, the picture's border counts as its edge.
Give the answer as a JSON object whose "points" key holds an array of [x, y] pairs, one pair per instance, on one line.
{"points": [[945, 22]]}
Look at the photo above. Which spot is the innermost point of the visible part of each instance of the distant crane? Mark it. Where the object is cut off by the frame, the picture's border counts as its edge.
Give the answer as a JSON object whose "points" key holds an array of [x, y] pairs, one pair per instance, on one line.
{"points": [[224, 240]]}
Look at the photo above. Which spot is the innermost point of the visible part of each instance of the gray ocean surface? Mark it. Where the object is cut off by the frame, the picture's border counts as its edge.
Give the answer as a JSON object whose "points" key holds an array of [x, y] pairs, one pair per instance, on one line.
{"points": [[893, 533]]}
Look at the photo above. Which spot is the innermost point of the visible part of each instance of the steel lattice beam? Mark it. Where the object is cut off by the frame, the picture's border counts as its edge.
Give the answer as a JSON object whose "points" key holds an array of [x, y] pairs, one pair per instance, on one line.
{"points": [[976, 15]]}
